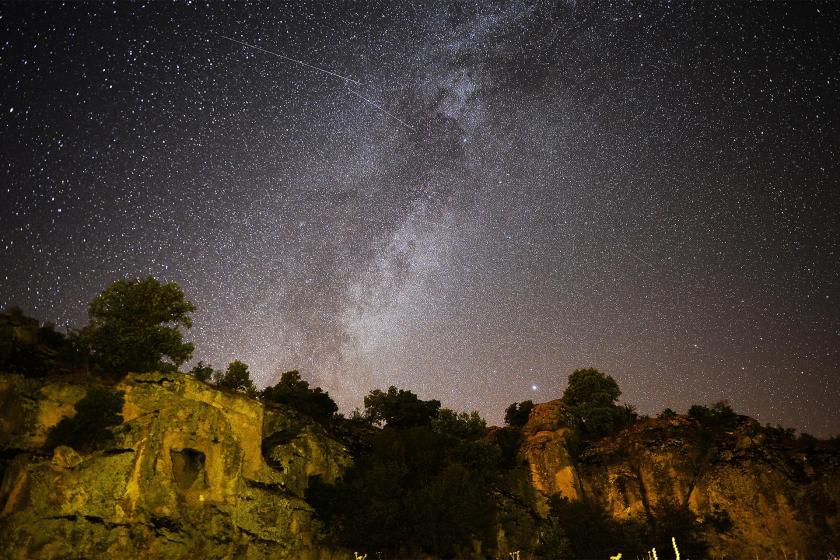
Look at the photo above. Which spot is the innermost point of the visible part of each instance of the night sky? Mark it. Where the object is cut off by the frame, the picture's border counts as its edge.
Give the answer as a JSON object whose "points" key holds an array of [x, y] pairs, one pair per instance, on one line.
{"points": [[465, 199]]}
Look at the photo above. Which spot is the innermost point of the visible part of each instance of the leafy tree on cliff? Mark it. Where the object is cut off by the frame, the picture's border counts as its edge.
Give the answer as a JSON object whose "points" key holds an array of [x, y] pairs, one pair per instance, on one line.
{"points": [[591, 400], [517, 414], [237, 377], [202, 372], [99, 409], [293, 391], [399, 408], [134, 326]]}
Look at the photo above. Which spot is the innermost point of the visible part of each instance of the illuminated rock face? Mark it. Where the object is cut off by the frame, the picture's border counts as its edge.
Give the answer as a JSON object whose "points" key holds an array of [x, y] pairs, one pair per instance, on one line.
{"points": [[193, 472], [779, 501]]}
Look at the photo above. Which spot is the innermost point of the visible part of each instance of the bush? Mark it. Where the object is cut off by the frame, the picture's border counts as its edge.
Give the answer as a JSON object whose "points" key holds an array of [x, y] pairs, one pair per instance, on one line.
{"points": [[583, 529], [399, 409], [99, 409], [591, 401], [464, 426], [719, 416], [516, 415], [237, 377], [416, 491], [202, 372], [293, 391]]}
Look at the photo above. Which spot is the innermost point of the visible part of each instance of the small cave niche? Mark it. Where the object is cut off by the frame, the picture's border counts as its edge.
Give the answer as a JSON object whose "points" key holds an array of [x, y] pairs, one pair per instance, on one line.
{"points": [[187, 468]]}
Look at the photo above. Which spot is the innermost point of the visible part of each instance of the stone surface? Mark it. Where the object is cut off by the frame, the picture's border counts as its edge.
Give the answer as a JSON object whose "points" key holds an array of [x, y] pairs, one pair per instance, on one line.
{"points": [[197, 472], [780, 501], [185, 477]]}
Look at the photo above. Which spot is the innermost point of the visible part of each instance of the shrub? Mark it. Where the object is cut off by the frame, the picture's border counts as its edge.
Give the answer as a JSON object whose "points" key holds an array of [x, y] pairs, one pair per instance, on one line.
{"points": [[99, 409], [591, 400], [202, 372], [399, 408], [237, 377], [517, 414], [293, 391]]}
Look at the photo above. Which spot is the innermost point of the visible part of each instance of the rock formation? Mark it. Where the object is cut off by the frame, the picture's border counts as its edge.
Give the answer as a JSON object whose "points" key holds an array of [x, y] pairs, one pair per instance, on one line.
{"points": [[192, 472], [757, 494], [197, 472]]}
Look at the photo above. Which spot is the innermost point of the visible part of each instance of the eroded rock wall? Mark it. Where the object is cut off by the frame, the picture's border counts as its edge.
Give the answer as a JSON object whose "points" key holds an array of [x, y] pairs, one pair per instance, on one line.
{"points": [[777, 501], [185, 477]]}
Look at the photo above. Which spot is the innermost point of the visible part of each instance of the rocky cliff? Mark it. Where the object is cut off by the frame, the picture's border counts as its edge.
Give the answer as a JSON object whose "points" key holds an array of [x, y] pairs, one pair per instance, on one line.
{"points": [[192, 472], [196, 472], [757, 493]]}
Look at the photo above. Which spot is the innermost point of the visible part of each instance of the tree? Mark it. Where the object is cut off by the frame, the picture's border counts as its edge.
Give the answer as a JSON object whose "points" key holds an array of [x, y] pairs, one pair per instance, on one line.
{"points": [[237, 377], [516, 415], [719, 416], [99, 409], [399, 408], [134, 326], [293, 391], [591, 400], [202, 372], [414, 492], [464, 426]]}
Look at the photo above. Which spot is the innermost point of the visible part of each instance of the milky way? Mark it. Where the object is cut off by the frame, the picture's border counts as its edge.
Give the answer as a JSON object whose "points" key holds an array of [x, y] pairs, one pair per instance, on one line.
{"points": [[468, 200]]}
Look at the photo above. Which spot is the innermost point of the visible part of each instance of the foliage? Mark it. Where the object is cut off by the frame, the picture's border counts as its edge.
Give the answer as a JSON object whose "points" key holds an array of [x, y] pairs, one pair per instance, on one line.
{"points": [[293, 391], [670, 520], [134, 326], [583, 529], [202, 372], [399, 409], [719, 416], [237, 377], [416, 491], [591, 400], [517, 414], [100, 408], [465, 426], [668, 413]]}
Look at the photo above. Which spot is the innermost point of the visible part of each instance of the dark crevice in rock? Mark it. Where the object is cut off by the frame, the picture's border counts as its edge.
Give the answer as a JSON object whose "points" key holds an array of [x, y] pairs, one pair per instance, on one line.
{"points": [[95, 519], [282, 437], [188, 468], [118, 451], [159, 381]]}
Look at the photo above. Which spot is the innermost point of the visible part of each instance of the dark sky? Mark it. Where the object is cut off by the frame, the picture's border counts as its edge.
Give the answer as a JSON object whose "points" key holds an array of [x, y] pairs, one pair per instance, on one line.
{"points": [[466, 199]]}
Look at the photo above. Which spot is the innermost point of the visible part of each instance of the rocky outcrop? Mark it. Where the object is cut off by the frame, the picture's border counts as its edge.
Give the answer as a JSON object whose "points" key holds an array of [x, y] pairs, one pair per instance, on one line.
{"points": [[753, 492], [197, 472], [192, 472]]}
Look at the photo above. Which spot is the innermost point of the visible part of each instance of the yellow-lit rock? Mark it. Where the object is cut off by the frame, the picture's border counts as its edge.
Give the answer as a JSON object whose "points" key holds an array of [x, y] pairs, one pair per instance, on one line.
{"points": [[184, 478]]}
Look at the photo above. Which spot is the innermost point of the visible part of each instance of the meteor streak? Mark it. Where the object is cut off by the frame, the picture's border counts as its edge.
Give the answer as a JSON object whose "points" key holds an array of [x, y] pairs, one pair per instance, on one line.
{"points": [[369, 102], [284, 57]]}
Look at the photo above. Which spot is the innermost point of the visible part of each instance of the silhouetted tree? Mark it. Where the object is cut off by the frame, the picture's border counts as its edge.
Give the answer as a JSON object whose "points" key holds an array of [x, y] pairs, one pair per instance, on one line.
{"points": [[719, 416], [517, 414], [465, 426], [591, 401], [99, 409], [237, 377], [416, 491], [134, 326], [670, 520], [202, 372], [293, 391], [399, 408]]}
